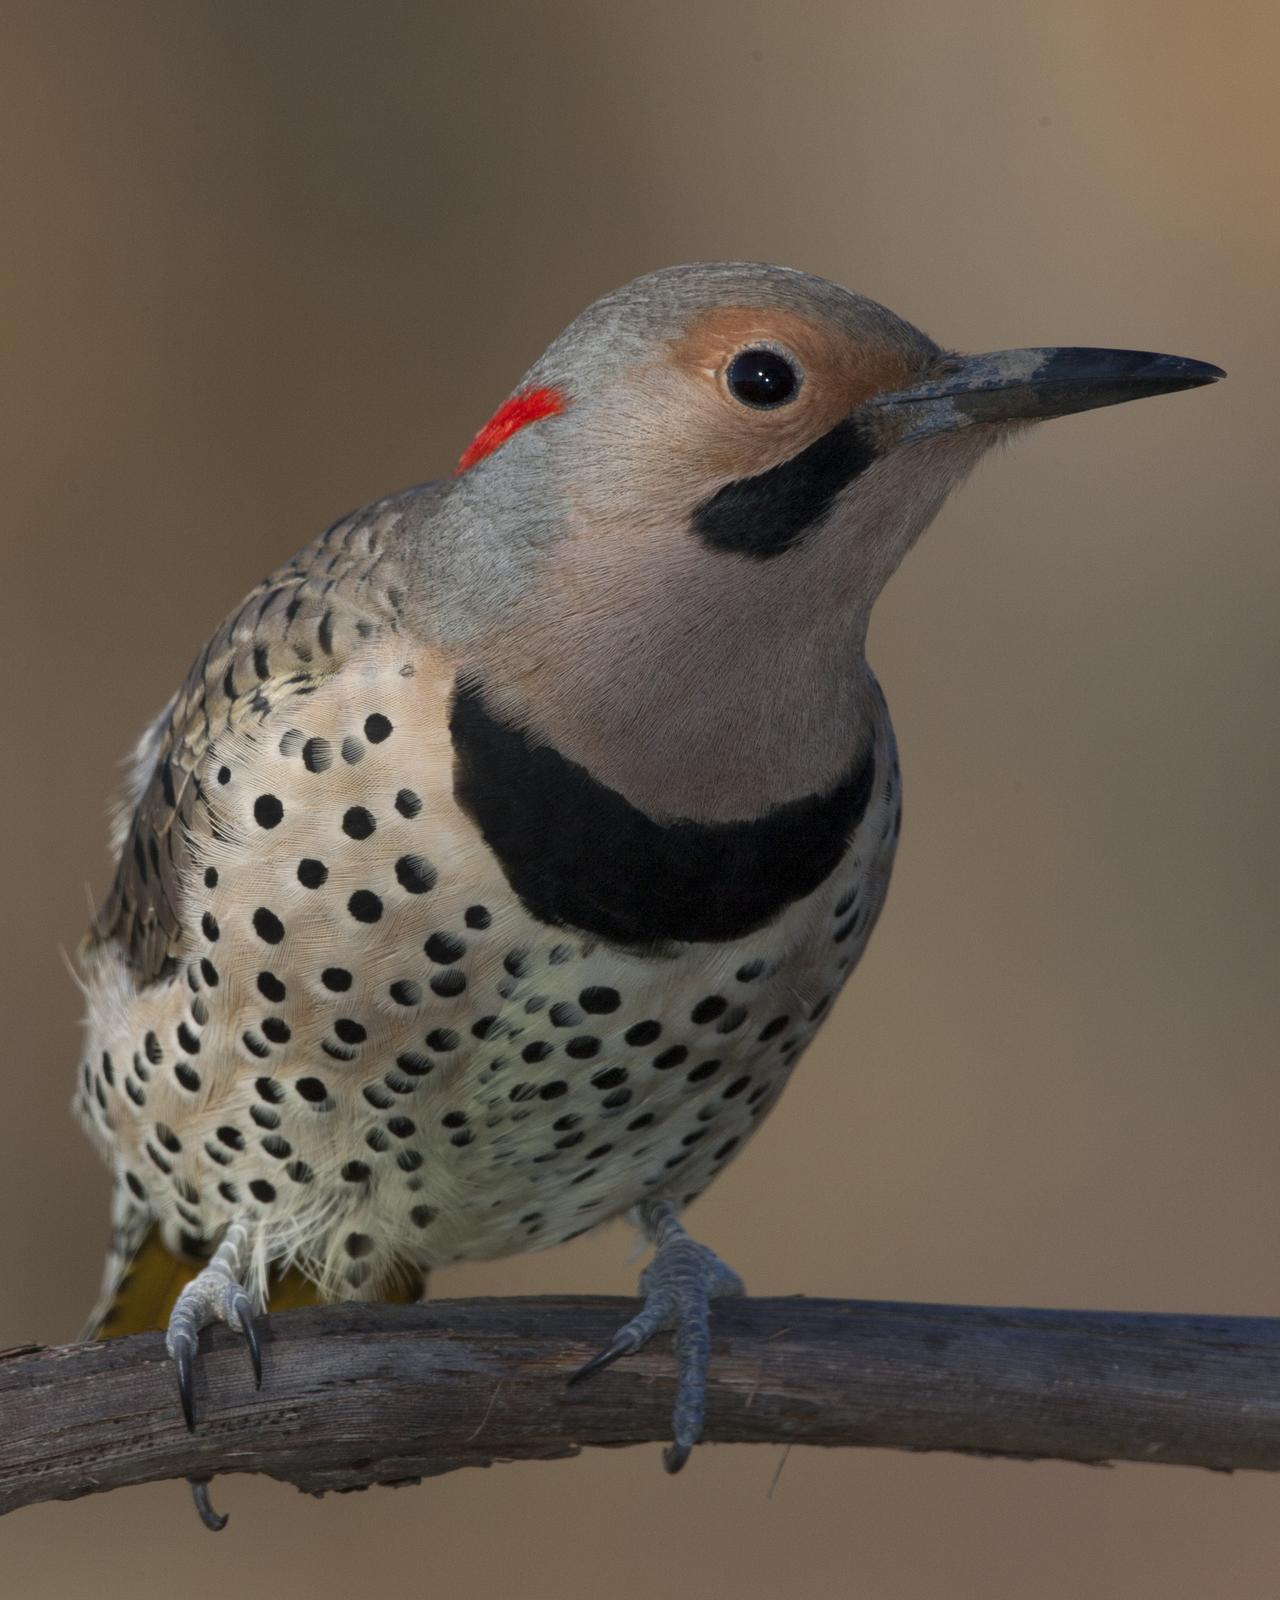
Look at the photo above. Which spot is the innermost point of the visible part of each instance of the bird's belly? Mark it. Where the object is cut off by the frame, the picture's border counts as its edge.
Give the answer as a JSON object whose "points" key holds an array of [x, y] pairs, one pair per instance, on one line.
{"points": [[374, 1049]]}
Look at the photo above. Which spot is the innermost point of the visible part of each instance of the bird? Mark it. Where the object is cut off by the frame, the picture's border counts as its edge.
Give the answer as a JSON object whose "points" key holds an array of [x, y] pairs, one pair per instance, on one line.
{"points": [[503, 851]]}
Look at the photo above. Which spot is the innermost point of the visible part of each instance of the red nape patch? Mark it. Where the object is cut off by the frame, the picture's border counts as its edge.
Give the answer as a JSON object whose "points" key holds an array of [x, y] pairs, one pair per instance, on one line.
{"points": [[531, 405]]}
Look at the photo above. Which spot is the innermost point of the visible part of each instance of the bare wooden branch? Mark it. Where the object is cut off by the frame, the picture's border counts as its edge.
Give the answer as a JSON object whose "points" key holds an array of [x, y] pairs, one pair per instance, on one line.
{"points": [[356, 1395]]}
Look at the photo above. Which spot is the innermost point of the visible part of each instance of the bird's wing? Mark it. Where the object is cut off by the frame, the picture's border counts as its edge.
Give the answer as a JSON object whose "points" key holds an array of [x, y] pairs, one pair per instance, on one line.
{"points": [[297, 628]]}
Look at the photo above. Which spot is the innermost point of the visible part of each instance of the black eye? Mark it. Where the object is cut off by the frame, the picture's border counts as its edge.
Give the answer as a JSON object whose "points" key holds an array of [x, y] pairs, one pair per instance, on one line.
{"points": [[761, 378]]}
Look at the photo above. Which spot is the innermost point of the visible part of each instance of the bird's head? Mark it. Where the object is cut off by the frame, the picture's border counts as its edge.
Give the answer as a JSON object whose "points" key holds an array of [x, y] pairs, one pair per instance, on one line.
{"points": [[704, 484]]}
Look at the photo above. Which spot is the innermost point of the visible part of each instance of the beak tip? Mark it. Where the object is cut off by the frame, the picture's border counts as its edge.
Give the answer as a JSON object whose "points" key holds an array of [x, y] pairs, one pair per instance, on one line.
{"points": [[1191, 374]]}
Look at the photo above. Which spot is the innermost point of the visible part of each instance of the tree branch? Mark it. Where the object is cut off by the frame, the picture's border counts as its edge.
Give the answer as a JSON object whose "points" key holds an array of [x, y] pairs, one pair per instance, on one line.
{"points": [[361, 1394]]}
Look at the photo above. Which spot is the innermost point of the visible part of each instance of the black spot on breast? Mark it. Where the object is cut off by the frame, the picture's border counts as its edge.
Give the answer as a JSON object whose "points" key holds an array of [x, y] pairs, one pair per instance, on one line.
{"points": [[365, 906], [417, 1066], [357, 822], [317, 755], [377, 728], [702, 1071], [599, 999], [408, 804], [414, 875], [445, 948], [267, 811], [769, 513], [268, 926], [579, 855]]}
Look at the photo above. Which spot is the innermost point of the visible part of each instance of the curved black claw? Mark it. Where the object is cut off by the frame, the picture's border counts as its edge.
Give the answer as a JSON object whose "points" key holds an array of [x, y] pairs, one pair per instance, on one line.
{"points": [[245, 1318], [606, 1358], [186, 1386], [200, 1494], [678, 1285]]}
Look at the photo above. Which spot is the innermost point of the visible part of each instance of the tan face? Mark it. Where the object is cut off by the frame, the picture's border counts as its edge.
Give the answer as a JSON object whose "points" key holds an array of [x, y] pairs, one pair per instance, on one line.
{"points": [[648, 633], [837, 373]]}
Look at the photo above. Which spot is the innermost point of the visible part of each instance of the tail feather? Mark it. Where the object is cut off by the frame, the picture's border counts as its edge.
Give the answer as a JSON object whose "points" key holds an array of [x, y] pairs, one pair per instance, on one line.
{"points": [[145, 1292]]}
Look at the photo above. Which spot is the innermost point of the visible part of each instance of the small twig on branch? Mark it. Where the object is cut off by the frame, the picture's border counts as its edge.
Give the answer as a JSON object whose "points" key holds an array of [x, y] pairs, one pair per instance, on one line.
{"points": [[361, 1394]]}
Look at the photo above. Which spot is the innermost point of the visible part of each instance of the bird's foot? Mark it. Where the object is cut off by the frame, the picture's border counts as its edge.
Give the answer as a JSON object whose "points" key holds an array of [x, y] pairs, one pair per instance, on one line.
{"points": [[678, 1285], [215, 1294]]}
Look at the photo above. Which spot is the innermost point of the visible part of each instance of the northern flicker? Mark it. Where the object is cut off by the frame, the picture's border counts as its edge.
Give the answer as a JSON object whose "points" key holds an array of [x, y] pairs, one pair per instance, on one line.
{"points": [[502, 852]]}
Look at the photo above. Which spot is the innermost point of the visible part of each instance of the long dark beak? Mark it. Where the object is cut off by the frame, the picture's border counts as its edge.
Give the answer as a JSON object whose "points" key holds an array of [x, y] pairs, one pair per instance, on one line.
{"points": [[1030, 385]]}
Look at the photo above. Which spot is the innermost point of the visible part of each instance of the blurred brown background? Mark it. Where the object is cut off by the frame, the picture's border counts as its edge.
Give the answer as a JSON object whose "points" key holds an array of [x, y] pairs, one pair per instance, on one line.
{"points": [[261, 263]]}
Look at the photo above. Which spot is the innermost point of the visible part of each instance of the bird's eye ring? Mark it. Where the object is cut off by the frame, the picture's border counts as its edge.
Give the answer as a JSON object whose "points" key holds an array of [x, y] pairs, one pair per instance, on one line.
{"points": [[762, 378]]}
